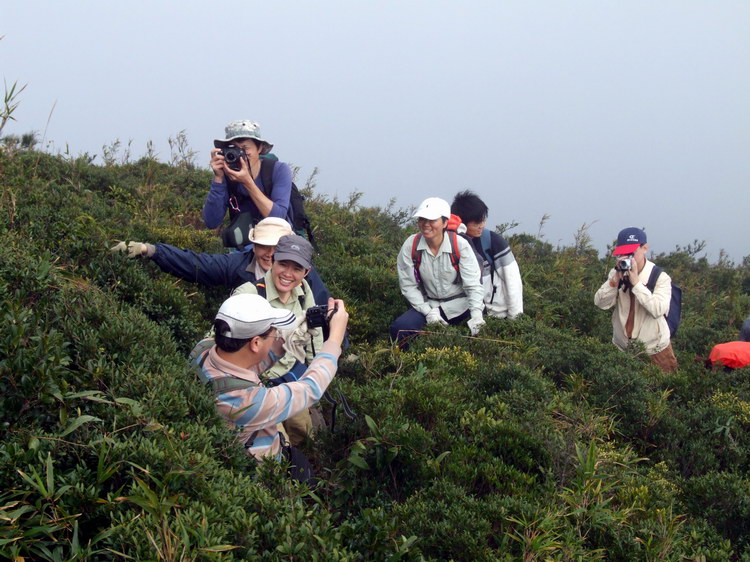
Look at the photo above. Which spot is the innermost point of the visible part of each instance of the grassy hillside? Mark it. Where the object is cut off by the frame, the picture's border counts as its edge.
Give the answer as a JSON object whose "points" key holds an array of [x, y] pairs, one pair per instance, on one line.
{"points": [[538, 440]]}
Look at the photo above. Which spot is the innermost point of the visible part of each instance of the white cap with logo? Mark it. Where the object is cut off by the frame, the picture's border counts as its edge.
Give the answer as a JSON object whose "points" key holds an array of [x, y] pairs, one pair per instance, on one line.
{"points": [[252, 315], [433, 208]]}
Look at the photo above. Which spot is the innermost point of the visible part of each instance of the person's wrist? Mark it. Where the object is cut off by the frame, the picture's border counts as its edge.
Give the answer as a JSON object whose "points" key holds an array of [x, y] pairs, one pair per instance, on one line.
{"points": [[336, 334]]}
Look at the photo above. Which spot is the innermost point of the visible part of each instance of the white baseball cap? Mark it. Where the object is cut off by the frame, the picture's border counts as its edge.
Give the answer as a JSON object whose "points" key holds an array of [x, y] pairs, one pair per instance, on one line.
{"points": [[433, 208], [252, 315]]}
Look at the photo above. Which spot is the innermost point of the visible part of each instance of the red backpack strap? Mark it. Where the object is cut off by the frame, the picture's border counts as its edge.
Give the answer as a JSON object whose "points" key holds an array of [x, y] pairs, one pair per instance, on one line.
{"points": [[416, 257], [455, 251]]}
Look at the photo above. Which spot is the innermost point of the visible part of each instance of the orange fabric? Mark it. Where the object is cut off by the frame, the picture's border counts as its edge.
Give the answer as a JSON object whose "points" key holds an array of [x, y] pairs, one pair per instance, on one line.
{"points": [[453, 222], [733, 354]]}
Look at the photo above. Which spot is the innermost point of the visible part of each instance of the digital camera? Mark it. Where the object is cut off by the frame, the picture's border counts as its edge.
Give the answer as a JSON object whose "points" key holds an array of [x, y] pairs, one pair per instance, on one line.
{"points": [[317, 316], [624, 264], [233, 156]]}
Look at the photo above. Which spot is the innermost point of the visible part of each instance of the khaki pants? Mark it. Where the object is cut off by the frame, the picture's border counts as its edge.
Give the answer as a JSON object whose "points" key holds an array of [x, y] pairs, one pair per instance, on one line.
{"points": [[298, 427], [665, 359]]}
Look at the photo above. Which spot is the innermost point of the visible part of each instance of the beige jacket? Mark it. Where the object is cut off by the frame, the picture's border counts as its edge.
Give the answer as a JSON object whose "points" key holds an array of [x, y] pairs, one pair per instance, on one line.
{"points": [[650, 326]]}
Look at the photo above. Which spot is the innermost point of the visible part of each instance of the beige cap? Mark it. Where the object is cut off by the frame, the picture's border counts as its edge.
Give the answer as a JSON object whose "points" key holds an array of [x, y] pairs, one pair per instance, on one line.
{"points": [[268, 231]]}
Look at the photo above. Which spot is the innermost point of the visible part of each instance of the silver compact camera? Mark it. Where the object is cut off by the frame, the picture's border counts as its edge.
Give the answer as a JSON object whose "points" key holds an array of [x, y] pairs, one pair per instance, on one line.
{"points": [[624, 264]]}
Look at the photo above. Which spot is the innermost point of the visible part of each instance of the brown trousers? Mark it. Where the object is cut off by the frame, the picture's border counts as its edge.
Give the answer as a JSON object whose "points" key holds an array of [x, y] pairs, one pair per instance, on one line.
{"points": [[665, 359]]}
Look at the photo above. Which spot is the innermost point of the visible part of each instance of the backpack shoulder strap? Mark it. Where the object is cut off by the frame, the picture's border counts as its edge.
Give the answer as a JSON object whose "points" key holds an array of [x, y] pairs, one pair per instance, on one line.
{"points": [[266, 175], [486, 242], [652, 278], [199, 356], [228, 384], [260, 286], [416, 255], [455, 250], [301, 298]]}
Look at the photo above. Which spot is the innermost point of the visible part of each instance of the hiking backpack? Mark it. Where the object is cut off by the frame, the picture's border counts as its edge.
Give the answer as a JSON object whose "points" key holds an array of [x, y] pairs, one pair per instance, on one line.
{"points": [[452, 233], [296, 200], [674, 313]]}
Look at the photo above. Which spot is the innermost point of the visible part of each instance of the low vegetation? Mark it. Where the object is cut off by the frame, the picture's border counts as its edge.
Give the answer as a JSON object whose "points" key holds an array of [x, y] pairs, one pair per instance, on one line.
{"points": [[538, 440]]}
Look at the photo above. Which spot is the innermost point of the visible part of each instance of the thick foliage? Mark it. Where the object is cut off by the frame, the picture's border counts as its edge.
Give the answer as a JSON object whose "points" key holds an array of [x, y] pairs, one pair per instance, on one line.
{"points": [[537, 440]]}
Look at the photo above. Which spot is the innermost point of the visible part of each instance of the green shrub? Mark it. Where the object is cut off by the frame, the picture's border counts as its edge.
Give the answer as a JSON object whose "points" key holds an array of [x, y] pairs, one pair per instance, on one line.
{"points": [[538, 439]]}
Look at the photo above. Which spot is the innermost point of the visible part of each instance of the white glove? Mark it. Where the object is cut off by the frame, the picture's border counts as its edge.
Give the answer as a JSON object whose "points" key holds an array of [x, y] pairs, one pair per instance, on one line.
{"points": [[475, 324], [433, 316], [134, 249]]}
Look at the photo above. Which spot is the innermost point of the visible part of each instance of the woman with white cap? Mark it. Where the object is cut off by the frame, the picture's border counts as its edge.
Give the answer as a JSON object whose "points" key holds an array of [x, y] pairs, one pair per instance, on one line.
{"points": [[237, 185], [437, 288]]}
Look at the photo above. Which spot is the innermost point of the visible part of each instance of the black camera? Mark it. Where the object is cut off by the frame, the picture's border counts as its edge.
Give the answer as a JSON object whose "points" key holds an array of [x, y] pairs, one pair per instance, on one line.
{"points": [[317, 316], [625, 264], [233, 156]]}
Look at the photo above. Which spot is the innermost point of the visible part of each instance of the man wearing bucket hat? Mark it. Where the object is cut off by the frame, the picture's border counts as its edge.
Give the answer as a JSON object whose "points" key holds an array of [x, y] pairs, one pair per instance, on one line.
{"points": [[237, 185], [247, 343], [436, 291], [638, 313], [284, 287]]}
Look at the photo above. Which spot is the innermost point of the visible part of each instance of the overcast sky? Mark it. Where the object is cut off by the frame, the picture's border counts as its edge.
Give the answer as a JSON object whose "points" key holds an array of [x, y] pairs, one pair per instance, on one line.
{"points": [[604, 113]]}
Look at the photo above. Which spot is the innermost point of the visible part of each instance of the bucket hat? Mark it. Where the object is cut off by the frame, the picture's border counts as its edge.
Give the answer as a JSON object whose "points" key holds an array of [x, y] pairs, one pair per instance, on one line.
{"points": [[245, 129]]}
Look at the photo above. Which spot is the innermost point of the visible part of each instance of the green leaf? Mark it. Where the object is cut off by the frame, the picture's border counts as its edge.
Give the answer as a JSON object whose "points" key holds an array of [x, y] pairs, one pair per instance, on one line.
{"points": [[78, 422], [50, 475], [359, 462], [219, 548], [371, 424], [441, 456]]}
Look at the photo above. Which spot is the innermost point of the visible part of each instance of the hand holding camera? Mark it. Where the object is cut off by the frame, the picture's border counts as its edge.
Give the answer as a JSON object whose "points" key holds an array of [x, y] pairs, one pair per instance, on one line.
{"points": [[333, 318], [217, 165], [626, 269], [233, 156], [237, 166]]}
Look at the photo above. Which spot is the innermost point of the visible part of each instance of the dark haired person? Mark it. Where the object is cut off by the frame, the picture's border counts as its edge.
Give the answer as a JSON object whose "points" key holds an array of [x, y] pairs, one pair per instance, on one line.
{"points": [[243, 190], [248, 342], [638, 313], [285, 288], [435, 290], [501, 278]]}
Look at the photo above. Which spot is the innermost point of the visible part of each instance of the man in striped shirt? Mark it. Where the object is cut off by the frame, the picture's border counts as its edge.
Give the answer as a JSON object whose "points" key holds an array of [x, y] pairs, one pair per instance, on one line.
{"points": [[248, 342]]}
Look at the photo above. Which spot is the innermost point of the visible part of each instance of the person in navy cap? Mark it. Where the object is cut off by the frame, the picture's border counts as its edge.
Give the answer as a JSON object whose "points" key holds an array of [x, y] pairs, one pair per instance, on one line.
{"points": [[638, 312]]}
